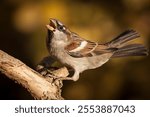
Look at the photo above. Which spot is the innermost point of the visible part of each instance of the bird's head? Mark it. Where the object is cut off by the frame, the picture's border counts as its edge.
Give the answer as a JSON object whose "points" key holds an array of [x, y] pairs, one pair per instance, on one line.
{"points": [[58, 31]]}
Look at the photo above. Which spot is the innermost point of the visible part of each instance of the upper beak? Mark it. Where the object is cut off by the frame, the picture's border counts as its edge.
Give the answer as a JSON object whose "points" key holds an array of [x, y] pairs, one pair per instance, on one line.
{"points": [[52, 25]]}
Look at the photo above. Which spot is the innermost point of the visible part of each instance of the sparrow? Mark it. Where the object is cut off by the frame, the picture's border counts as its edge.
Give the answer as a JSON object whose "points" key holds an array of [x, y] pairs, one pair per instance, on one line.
{"points": [[80, 54]]}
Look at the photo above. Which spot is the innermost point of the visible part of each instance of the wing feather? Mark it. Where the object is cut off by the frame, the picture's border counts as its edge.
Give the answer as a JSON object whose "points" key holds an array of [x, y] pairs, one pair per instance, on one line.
{"points": [[80, 47]]}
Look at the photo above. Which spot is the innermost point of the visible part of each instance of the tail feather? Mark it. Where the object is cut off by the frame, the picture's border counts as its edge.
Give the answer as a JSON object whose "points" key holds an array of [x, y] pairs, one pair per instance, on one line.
{"points": [[131, 47], [124, 49], [131, 50], [123, 38]]}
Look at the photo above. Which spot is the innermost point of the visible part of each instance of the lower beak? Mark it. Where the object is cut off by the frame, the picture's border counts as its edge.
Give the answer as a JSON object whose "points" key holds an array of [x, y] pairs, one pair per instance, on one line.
{"points": [[52, 25]]}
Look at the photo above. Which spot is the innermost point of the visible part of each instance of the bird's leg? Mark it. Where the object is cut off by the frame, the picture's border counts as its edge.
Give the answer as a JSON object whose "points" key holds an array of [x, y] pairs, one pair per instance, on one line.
{"points": [[52, 74], [45, 67], [75, 77], [57, 75]]}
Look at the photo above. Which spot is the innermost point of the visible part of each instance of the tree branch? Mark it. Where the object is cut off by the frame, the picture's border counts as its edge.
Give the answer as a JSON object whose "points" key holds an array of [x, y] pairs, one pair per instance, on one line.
{"points": [[38, 86]]}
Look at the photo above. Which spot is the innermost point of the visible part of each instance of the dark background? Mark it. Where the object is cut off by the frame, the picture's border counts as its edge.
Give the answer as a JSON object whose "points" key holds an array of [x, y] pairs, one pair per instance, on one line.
{"points": [[23, 32]]}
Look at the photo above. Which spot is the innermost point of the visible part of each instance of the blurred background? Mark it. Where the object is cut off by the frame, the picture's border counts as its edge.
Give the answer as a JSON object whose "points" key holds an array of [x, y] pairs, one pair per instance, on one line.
{"points": [[23, 32]]}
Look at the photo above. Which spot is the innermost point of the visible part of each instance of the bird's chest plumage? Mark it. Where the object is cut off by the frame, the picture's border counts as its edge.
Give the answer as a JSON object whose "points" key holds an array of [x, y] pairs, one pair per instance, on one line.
{"points": [[56, 50]]}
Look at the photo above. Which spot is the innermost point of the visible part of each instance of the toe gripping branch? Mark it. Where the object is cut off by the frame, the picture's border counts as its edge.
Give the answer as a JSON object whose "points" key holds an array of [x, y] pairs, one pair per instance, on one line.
{"points": [[52, 74]]}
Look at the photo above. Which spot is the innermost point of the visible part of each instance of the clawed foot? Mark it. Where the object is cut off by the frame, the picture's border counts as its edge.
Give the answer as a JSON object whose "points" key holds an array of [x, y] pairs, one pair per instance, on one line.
{"points": [[62, 78], [58, 81], [51, 75], [45, 71]]}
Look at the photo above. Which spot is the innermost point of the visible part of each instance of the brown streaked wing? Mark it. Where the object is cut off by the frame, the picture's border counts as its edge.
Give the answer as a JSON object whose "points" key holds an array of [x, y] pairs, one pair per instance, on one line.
{"points": [[85, 48]]}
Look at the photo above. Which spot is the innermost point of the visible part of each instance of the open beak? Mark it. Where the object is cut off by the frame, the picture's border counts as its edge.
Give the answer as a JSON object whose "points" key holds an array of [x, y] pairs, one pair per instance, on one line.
{"points": [[52, 25]]}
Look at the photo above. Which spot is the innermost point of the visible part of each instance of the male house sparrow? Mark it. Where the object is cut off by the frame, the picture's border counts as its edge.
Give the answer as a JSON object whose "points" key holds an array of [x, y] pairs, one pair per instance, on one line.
{"points": [[80, 54]]}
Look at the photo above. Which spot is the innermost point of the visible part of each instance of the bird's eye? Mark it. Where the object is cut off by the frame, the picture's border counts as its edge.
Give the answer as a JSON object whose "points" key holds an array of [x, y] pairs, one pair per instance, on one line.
{"points": [[62, 28]]}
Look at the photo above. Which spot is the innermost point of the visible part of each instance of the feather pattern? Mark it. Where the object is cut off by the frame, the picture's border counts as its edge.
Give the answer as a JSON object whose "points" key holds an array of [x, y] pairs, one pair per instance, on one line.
{"points": [[71, 50], [80, 47]]}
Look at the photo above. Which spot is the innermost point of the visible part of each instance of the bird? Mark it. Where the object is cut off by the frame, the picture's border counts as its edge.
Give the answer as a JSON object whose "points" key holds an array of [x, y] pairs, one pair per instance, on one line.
{"points": [[81, 54]]}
